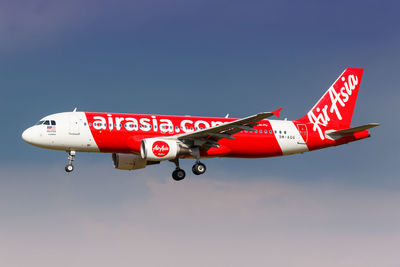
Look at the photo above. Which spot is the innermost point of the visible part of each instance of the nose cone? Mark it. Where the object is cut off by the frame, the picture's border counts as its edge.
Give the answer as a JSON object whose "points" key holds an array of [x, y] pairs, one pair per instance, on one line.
{"points": [[36, 136], [28, 136]]}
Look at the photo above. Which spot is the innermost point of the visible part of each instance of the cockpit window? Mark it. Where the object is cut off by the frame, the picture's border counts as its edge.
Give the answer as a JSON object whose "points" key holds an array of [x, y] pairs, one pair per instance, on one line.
{"points": [[47, 122]]}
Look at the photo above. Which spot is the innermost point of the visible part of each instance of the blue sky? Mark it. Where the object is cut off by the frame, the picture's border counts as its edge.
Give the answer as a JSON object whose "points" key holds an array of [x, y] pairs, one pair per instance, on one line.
{"points": [[199, 58]]}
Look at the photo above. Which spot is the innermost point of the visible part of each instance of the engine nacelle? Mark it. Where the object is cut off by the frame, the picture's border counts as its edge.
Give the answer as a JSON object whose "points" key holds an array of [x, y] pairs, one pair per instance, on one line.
{"points": [[158, 149], [128, 161]]}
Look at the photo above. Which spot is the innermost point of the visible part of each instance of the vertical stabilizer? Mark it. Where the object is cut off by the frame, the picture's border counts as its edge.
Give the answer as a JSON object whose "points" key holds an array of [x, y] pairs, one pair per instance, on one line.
{"points": [[335, 108]]}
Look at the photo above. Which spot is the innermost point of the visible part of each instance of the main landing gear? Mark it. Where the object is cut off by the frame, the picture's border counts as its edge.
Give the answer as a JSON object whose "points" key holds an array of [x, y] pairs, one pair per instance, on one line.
{"points": [[71, 156], [199, 168], [178, 174]]}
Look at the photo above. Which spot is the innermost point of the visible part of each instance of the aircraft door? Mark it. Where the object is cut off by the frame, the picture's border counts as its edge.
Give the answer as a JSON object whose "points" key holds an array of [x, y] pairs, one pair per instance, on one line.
{"points": [[74, 124], [303, 132]]}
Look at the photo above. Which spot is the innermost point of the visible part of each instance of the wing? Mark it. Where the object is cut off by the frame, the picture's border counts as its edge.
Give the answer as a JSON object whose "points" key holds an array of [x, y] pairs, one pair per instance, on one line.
{"points": [[209, 137]]}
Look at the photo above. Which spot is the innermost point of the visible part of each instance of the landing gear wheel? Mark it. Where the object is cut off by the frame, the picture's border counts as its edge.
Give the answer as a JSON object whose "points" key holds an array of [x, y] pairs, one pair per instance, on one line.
{"points": [[71, 157], [69, 168], [199, 168], [178, 174]]}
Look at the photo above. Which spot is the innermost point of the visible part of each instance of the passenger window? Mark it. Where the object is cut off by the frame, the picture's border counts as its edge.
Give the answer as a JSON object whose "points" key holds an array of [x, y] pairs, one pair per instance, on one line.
{"points": [[265, 131], [284, 132], [270, 131]]}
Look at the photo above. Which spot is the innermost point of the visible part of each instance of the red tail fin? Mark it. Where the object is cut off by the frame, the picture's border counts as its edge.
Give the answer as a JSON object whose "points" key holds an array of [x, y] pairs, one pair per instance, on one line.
{"points": [[335, 108]]}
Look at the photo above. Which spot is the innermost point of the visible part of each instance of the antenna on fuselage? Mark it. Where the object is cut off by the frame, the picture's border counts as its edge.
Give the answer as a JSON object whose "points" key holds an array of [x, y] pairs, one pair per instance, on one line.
{"points": [[74, 110], [227, 116]]}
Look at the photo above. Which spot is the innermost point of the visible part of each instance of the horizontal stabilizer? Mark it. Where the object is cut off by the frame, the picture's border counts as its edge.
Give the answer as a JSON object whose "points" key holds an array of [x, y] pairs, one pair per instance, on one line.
{"points": [[353, 129]]}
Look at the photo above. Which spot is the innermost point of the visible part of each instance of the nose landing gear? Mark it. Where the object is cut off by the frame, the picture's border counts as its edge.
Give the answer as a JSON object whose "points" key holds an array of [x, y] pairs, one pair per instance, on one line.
{"points": [[71, 156]]}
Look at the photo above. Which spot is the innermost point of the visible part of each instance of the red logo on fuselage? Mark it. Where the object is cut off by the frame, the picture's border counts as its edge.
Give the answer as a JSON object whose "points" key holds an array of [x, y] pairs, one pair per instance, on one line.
{"points": [[160, 149]]}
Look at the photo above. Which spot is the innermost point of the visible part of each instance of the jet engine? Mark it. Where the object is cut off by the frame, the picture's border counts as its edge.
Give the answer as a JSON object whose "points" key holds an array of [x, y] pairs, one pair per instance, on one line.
{"points": [[158, 149], [128, 161]]}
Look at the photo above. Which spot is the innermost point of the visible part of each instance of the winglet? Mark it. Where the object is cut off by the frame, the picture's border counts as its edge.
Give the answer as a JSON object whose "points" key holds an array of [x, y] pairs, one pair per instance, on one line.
{"points": [[276, 112]]}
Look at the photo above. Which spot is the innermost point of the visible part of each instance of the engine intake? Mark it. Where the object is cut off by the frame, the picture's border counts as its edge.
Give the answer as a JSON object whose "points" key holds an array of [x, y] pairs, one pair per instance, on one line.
{"points": [[158, 149]]}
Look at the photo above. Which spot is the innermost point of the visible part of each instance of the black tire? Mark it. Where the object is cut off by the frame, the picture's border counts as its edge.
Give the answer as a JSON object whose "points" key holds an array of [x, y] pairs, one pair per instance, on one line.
{"points": [[178, 174], [199, 168], [69, 168]]}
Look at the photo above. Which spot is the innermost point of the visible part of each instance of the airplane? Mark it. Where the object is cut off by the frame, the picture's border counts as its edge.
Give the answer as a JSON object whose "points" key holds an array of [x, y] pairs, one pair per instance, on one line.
{"points": [[139, 140]]}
